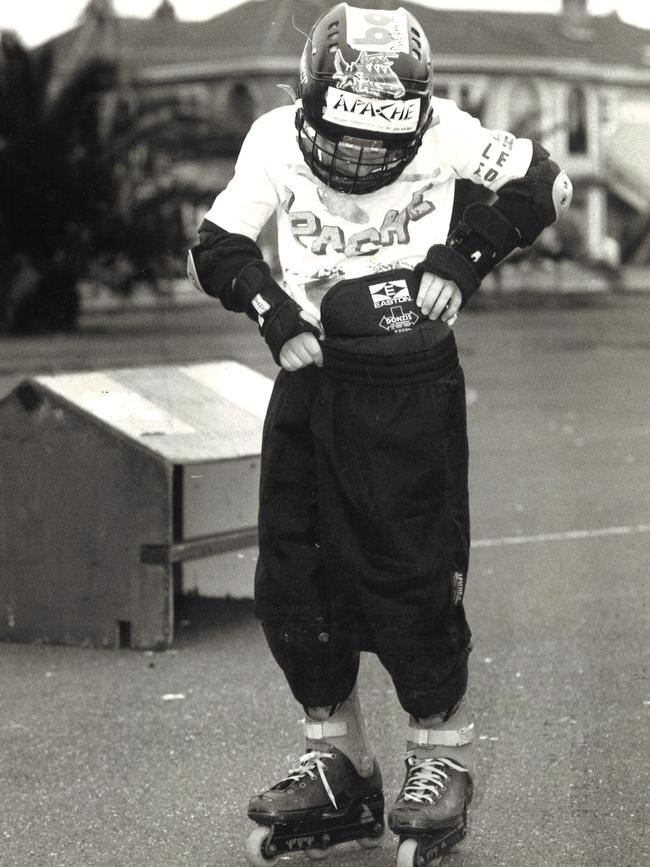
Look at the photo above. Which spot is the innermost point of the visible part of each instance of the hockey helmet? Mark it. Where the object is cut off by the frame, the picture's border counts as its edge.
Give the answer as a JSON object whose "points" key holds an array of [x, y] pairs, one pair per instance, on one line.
{"points": [[365, 87]]}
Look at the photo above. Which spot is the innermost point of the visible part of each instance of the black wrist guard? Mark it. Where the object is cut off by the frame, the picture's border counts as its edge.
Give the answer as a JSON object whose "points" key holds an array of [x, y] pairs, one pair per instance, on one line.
{"points": [[277, 314], [447, 263], [479, 242]]}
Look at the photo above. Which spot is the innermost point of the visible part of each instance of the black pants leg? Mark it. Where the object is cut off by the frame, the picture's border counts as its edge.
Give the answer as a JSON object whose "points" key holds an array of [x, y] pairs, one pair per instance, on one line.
{"points": [[291, 596], [362, 535]]}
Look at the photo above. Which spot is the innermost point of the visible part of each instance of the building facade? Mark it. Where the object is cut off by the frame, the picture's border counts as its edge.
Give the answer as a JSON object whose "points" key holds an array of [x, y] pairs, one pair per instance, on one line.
{"points": [[578, 83]]}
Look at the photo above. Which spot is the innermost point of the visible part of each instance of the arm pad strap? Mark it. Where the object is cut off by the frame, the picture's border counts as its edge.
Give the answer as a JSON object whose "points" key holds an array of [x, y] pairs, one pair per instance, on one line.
{"points": [[277, 314], [479, 242]]}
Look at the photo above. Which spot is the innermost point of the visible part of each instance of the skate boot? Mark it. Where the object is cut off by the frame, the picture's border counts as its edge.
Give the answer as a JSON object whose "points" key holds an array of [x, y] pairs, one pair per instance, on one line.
{"points": [[332, 795], [430, 813]]}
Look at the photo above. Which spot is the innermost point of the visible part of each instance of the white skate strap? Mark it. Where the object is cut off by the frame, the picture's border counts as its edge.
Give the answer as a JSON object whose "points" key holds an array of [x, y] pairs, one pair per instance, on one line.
{"points": [[321, 731], [442, 737]]}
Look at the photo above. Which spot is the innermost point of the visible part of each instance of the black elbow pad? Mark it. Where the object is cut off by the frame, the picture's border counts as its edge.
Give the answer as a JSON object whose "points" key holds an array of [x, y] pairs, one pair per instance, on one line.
{"points": [[230, 267], [217, 259], [535, 201]]}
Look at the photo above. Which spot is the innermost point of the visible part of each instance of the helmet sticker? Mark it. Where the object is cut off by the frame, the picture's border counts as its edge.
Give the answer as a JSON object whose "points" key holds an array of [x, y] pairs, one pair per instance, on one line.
{"points": [[390, 116], [369, 74], [377, 30]]}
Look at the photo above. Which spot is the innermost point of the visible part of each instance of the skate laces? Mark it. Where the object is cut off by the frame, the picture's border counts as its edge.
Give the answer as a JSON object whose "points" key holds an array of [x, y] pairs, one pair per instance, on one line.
{"points": [[306, 767], [426, 778]]}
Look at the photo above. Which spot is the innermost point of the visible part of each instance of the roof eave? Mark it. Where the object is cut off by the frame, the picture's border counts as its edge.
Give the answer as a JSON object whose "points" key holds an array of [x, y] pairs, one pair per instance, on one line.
{"points": [[553, 67], [162, 74]]}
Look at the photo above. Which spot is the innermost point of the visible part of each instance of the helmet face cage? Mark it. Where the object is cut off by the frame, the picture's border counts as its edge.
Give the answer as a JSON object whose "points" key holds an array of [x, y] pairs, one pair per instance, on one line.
{"points": [[353, 165], [365, 85]]}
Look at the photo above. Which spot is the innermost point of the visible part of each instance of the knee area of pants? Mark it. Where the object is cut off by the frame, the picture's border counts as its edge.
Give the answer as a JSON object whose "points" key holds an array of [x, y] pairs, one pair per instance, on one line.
{"points": [[421, 710], [439, 701], [323, 693]]}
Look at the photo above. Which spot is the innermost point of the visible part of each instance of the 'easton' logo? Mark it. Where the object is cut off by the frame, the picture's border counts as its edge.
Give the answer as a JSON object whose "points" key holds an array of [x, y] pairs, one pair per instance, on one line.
{"points": [[388, 293]]}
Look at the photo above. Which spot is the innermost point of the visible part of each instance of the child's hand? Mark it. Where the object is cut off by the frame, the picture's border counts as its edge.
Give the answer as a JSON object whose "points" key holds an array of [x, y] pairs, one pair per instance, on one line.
{"points": [[439, 298], [301, 351]]}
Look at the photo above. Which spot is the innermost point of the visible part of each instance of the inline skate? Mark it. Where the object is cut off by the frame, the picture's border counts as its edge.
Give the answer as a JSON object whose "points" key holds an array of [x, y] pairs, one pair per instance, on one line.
{"points": [[333, 794], [321, 802], [430, 814]]}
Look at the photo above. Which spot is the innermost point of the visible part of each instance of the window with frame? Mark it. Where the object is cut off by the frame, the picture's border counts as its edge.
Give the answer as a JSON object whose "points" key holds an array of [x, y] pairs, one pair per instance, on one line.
{"points": [[577, 121]]}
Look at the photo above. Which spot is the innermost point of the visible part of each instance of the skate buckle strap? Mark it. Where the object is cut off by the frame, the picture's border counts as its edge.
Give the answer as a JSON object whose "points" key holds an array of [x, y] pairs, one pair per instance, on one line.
{"points": [[321, 731], [442, 737]]}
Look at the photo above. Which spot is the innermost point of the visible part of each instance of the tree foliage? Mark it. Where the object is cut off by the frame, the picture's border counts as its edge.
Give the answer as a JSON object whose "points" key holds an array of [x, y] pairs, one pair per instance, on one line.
{"points": [[85, 188]]}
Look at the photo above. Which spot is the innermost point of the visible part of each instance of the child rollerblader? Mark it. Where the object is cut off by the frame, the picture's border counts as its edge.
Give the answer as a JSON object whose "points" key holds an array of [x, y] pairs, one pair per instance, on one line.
{"points": [[364, 519]]}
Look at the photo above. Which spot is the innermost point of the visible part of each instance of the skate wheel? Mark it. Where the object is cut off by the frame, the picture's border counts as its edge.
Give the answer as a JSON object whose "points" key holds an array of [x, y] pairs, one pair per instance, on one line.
{"points": [[406, 853], [255, 848], [316, 854]]}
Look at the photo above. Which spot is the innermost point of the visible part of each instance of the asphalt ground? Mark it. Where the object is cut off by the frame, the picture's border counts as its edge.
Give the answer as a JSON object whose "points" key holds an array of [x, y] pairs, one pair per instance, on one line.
{"points": [[99, 766]]}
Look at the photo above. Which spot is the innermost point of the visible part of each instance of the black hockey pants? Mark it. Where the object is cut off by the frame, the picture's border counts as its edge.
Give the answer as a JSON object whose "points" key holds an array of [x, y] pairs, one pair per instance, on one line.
{"points": [[364, 524]]}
